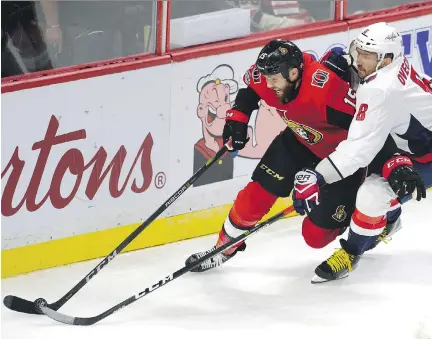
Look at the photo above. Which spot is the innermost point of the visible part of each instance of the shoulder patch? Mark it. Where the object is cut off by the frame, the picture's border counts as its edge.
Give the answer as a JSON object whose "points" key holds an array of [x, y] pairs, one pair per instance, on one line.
{"points": [[256, 75], [252, 76], [320, 78]]}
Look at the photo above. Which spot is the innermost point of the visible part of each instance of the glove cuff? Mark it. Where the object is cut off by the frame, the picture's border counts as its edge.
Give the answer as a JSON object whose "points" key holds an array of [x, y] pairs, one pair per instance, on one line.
{"points": [[393, 163], [235, 115], [320, 179]]}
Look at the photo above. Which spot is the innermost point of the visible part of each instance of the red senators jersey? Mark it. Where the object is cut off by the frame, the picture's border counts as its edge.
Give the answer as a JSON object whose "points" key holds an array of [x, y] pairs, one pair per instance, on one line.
{"points": [[321, 113]]}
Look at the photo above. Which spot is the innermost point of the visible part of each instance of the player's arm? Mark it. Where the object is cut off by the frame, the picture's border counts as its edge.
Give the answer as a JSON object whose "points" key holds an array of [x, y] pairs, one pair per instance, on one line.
{"points": [[237, 118], [357, 151], [340, 103], [386, 153], [339, 62], [366, 136]]}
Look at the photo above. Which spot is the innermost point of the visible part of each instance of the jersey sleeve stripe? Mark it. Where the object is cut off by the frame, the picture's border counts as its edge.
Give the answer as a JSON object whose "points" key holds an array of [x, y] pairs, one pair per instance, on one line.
{"points": [[334, 166]]}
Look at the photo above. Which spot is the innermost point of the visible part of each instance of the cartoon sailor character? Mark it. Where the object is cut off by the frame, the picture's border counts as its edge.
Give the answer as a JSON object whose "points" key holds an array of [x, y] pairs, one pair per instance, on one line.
{"points": [[217, 92]]}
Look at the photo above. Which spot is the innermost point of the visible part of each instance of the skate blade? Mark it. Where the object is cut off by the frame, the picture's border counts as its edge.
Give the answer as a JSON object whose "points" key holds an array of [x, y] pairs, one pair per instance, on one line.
{"points": [[389, 236], [397, 229], [318, 280]]}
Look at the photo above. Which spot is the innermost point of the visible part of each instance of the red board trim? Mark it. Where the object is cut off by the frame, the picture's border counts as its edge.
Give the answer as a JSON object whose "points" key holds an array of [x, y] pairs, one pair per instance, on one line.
{"points": [[66, 74]]}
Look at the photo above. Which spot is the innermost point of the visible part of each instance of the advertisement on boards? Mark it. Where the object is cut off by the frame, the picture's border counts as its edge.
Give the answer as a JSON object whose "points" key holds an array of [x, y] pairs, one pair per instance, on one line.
{"points": [[83, 156]]}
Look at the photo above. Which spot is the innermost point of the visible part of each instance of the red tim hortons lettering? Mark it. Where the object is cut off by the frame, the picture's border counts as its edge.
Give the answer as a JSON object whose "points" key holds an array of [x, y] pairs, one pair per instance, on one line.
{"points": [[72, 161]]}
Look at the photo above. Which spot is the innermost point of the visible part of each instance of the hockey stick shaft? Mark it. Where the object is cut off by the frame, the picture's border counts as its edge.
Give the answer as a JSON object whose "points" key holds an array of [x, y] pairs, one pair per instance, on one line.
{"points": [[92, 320], [25, 306]]}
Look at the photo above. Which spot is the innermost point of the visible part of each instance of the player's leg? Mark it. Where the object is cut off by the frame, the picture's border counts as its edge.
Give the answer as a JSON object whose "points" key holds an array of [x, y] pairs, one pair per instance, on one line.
{"points": [[394, 212], [272, 178], [332, 216], [377, 214], [273, 175], [330, 219], [375, 198], [250, 205], [394, 222]]}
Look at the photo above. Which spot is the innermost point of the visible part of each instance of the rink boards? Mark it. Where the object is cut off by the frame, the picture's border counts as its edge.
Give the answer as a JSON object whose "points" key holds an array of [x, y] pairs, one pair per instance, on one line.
{"points": [[84, 162]]}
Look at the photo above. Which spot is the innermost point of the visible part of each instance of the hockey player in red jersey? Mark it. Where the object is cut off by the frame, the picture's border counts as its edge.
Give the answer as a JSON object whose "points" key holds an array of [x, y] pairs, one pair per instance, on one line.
{"points": [[317, 107]]}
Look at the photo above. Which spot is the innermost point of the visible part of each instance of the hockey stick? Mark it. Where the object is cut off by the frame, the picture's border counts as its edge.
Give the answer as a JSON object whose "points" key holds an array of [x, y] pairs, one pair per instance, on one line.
{"points": [[57, 316], [25, 306]]}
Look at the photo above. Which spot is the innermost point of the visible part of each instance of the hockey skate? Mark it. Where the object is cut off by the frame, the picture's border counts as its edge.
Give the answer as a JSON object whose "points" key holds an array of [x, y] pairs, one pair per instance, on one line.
{"points": [[338, 266], [386, 234], [213, 262]]}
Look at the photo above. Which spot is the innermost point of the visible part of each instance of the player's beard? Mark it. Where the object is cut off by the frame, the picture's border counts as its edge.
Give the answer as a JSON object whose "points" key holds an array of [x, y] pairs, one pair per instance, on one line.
{"points": [[285, 92]]}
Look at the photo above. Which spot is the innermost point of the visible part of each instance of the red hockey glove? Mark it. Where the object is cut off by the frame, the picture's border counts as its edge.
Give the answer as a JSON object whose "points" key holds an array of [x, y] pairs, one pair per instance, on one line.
{"points": [[403, 177], [236, 128], [306, 195]]}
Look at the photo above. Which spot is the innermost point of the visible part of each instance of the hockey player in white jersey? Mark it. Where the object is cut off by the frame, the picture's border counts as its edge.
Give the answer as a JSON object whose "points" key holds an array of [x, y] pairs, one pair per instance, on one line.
{"points": [[392, 98]]}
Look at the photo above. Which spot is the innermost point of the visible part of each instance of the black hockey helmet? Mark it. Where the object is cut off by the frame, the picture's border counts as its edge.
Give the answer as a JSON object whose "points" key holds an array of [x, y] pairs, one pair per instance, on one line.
{"points": [[279, 56]]}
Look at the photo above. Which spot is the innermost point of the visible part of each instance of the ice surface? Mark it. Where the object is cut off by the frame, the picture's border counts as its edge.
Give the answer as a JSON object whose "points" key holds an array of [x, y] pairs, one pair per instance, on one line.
{"points": [[262, 293]]}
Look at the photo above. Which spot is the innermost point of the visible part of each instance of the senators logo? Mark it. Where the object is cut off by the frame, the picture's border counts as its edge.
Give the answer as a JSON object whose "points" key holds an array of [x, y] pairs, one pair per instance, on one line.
{"points": [[283, 50], [307, 133], [340, 214]]}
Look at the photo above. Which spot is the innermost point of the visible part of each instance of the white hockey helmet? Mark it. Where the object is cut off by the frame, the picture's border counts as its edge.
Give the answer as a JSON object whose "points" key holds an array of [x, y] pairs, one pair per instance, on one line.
{"points": [[379, 38]]}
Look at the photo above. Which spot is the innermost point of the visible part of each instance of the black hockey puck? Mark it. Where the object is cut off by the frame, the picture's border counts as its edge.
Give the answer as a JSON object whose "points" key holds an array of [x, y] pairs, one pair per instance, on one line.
{"points": [[38, 303]]}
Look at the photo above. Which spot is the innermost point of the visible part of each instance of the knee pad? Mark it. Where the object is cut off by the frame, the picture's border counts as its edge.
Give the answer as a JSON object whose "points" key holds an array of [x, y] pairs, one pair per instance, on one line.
{"points": [[251, 204], [374, 197], [317, 237]]}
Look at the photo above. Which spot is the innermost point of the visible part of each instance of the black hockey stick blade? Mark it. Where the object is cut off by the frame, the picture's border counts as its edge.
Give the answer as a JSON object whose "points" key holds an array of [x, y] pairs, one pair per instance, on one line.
{"points": [[66, 319], [18, 304]]}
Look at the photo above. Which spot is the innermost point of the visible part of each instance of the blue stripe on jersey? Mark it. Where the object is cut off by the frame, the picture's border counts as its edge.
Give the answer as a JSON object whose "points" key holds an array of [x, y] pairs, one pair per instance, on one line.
{"points": [[419, 137]]}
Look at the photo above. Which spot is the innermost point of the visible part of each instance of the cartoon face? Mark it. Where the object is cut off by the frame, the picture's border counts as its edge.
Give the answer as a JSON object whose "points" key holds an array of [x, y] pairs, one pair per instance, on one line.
{"points": [[214, 102]]}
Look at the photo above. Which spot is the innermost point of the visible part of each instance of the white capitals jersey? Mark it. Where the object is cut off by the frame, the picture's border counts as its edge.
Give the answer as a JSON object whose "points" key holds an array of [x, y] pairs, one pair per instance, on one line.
{"points": [[394, 100]]}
